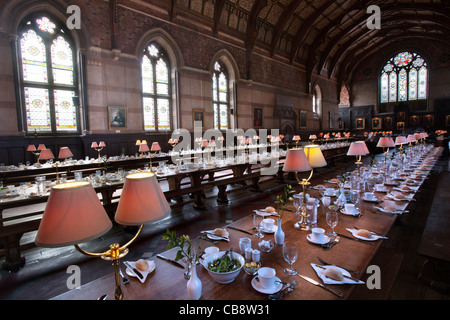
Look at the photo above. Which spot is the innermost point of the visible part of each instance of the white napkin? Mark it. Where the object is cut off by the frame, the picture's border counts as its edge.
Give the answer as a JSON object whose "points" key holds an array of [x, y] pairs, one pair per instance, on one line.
{"points": [[210, 234], [327, 280], [372, 238], [151, 267]]}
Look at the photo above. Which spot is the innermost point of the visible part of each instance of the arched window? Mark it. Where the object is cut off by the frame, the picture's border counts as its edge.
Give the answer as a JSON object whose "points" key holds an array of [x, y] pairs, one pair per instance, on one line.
{"points": [[48, 79], [221, 97], [317, 102], [403, 78], [156, 88]]}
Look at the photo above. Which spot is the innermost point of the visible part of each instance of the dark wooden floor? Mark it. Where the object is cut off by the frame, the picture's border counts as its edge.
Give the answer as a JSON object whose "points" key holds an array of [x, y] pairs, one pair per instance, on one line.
{"points": [[44, 275]]}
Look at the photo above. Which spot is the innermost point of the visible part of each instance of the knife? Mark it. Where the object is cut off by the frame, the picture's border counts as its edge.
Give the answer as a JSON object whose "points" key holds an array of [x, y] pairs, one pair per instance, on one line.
{"points": [[177, 264], [344, 275], [362, 241], [134, 270], [244, 231], [314, 282]]}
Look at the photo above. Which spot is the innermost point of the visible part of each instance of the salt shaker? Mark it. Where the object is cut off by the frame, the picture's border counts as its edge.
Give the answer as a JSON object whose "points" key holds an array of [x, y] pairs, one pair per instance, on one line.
{"points": [[248, 253], [256, 255]]}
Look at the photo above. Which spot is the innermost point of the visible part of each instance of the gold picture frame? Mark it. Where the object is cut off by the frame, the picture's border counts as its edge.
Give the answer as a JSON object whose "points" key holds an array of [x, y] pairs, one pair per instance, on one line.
{"points": [[360, 124], [400, 125], [117, 118], [376, 123]]}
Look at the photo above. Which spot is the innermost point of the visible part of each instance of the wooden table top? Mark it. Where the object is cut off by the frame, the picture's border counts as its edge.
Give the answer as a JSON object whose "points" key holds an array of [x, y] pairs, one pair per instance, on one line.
{"points": [[167, 281]]}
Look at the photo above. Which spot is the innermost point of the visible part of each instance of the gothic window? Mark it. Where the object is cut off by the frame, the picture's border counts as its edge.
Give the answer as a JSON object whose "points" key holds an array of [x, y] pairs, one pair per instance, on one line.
{"points": [[156, 84], [48, 79], [403, 78], [221, 103]]}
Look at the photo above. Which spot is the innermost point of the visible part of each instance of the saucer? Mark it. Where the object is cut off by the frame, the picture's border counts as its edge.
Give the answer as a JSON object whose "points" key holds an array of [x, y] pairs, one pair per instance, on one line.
{"points": [[374, 199], [258, 287], [382, 190], [274, 228], [325, 240], [349, 214]]}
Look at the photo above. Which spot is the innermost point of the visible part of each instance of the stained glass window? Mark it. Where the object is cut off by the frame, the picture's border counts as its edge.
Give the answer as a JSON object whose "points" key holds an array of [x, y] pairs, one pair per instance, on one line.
{"points": [[404, 77], [221, 108], [48, 80], [155, 71]]}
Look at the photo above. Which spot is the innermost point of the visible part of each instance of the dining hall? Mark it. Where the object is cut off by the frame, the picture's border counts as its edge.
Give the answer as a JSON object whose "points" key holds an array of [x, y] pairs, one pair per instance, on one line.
{"points": [[224, 150]]}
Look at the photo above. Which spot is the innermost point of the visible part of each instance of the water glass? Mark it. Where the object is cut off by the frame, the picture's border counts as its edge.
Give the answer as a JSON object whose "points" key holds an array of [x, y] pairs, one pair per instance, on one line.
{"points": [[257, 221], [290, 254], [311, 211], [40, 185], [297, 203], [78, 176], [332, 221], [354, 198], [326, 201]]}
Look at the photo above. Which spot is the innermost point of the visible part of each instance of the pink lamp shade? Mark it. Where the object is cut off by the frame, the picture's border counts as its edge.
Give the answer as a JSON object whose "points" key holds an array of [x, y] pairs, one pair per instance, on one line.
{"points": [[31, 148], [155, 146], [400, 140], [41, 147], [73, 214], [212, 144], [143, 147], [313, 137], [46, 155], [315, 156], [296, 161], [64, 152], [357, 149], [204, 143], [102, 144], [94, 145], [296, 138], [411, 138], [385, 142], [142, 200]]}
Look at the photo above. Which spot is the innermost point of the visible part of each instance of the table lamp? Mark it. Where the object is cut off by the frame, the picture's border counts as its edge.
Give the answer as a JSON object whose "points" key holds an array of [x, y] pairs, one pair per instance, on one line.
{"points": [[358, 149], [36, 152], [64, 153], [385, 142], [312, 137], [46, 154], [301, 160], [143, 147], [98, 147], [74, 214], [296, 139], [401, 140]]}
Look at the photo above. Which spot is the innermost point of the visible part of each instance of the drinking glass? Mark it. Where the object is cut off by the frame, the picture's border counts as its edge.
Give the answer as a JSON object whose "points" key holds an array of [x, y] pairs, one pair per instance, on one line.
{"points": [[332, 221], [354, 198], [257, 221], [290, 254], [322, 190]]}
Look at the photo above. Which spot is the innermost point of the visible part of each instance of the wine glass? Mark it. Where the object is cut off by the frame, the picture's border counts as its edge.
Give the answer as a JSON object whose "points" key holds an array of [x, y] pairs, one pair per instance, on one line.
{"points": [[322, 190], [297, 203], [257, 221], [290, 254], [332, 221]]}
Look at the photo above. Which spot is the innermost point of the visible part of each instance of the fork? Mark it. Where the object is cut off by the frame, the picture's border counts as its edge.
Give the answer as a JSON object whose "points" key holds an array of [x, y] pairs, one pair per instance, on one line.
{"points": [[329, 264]]}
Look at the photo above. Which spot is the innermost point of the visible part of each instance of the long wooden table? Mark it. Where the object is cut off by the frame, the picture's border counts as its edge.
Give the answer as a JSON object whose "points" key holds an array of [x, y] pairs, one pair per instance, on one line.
{"points": [[167, 281]]}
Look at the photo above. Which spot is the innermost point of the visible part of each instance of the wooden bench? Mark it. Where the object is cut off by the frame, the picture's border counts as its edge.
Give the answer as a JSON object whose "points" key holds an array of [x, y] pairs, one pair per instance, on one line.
{"points": [[435, 242]]}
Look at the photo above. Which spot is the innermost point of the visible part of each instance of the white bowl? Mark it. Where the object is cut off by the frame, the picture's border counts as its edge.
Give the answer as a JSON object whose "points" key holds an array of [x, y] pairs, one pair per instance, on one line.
{"points": [[223, 277]]}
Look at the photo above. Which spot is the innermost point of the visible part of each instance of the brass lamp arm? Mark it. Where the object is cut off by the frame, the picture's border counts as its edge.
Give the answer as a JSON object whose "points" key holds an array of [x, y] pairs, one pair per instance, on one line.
{"points": [[304, 181]]}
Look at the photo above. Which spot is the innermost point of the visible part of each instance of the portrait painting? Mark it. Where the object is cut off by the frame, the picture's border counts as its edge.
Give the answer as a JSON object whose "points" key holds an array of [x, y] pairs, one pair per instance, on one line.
{"points": [[387, 123], [117, 118], [400, 125], [376, 123], [414, 121], [258, 117], [360, 124], [198, 118], [428, 121]]}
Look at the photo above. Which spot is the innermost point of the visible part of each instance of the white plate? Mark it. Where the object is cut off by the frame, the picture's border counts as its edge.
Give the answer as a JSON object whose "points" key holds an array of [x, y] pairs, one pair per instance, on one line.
{"points": [[327, 280], [349, 214], [373, 237], [386, 211], [263, 213], [371, 200], [274, 228], [389, 196], [151, 267], [325, 240], [258, 287], [214, 237]]}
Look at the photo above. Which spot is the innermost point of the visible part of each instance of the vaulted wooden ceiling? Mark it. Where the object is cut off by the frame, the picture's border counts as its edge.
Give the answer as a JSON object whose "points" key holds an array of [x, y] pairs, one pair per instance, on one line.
{"points": [[323, 35]]}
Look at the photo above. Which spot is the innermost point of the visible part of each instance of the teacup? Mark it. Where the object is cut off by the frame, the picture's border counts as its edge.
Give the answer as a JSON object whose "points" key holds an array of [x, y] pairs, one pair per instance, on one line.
{"points": [[326, 201], [267, 277], [317, 234], [268, 224], [329, 191], [350, 208], [369, 196], [211, 250]]}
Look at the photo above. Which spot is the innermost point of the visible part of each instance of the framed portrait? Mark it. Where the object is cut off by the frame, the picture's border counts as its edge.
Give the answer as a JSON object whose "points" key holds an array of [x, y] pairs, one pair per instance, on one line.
{"points": [[341, 125], [428, 121], [303, 119], [401, 116], [414, 121], [198, 118], [258, 117], [387, 122], [360, 124], [376, 123], [117, 118], [400, 125], [447, 120]]}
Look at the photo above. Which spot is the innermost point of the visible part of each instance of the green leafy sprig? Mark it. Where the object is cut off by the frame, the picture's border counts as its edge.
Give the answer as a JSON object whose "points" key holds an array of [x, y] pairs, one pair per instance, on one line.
{"points": [[283, 198], [184, 243]]}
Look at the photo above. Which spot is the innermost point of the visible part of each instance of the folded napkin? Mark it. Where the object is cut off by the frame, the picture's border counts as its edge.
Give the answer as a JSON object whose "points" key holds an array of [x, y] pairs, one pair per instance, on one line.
{"points": [[390, 196], [210, 234], [151, 267], [393, 212], [320, 270], [372, 238]]}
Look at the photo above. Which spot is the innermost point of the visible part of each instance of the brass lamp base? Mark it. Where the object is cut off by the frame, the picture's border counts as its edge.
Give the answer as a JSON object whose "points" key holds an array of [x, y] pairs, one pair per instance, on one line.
{"points": [[303, 224]]}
